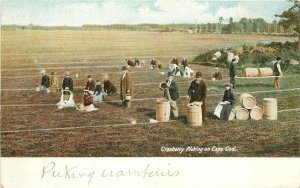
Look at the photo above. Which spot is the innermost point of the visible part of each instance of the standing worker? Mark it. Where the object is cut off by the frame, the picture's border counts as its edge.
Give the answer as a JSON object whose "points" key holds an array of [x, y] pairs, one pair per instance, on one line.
{"points": [[277, 72], [125, 87], [67, 82], [198, 92], [172, 94], [232, 72]]}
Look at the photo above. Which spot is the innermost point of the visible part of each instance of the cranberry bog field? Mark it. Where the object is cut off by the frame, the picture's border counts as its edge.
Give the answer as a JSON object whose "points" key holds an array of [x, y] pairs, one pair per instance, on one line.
{"points": [[32, 126]]}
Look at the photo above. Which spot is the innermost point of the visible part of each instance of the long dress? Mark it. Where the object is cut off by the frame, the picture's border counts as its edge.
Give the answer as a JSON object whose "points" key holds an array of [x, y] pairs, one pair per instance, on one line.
{"points": [[224, 107], [87, 104], [65, 101]]}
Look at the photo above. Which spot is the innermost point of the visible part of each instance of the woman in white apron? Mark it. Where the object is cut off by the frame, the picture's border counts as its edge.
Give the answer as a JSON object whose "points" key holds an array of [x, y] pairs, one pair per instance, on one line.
{"points": [[66, 99]]}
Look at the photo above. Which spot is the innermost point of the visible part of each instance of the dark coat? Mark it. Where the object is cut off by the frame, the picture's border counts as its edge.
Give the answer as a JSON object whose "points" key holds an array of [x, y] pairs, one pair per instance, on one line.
{"points": [[45, 81], [137, 62], [232, 70], [125, 85], [90, 85], [184, 63], [98, 89], [197, 91], [109, 87], [130, 63], [68, 82], [229, 96], [173, 89]]}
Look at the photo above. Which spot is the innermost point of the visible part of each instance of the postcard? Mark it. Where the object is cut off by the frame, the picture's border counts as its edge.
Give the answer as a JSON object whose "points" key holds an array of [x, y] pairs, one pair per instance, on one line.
{"points": [[151, 93]]}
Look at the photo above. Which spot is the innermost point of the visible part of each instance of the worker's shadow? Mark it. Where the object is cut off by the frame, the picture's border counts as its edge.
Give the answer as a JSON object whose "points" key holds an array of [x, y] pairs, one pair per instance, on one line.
{"points": [[149, 112], [255, 84], [114, 104]]}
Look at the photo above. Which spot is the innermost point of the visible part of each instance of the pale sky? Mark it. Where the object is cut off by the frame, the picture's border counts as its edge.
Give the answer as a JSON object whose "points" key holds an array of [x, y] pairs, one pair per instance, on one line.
{"points": [[103, 12]]}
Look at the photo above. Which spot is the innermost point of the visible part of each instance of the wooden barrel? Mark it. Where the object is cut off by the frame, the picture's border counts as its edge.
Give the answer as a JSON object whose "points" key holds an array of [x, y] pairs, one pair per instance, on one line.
{"points": [[231, 115], [247, 100], [250, 72], [267, 71], [194, 116], [241, 113], [256, 113], [270, 108], [216, 55], [162, 110]]}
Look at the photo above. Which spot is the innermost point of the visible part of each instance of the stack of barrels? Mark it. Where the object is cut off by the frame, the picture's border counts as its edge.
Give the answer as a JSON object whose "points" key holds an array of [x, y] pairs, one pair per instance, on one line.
{"points": [[248, 108], [257, 72]]}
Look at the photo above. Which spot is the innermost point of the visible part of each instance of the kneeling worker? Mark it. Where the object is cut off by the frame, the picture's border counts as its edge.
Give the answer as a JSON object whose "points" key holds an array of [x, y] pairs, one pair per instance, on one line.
{"points": [[223, 109], [87, 104], [66, 99]]}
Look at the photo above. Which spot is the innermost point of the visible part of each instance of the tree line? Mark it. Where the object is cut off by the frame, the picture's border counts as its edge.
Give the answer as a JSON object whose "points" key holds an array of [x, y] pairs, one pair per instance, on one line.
{"points": [[245, 25]]}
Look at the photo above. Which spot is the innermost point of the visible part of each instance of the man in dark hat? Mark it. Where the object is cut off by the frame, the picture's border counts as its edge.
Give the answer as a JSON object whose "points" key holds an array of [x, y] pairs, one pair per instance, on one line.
{"points": [[232, 72], [172, 94], [198, 92], [67, 82], [277, 72], [125, 87]]}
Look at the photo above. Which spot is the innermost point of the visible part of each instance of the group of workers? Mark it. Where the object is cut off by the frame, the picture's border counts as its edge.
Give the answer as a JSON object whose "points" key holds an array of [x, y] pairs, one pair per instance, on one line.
{"points": [[93, 91], [197, 91]]}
